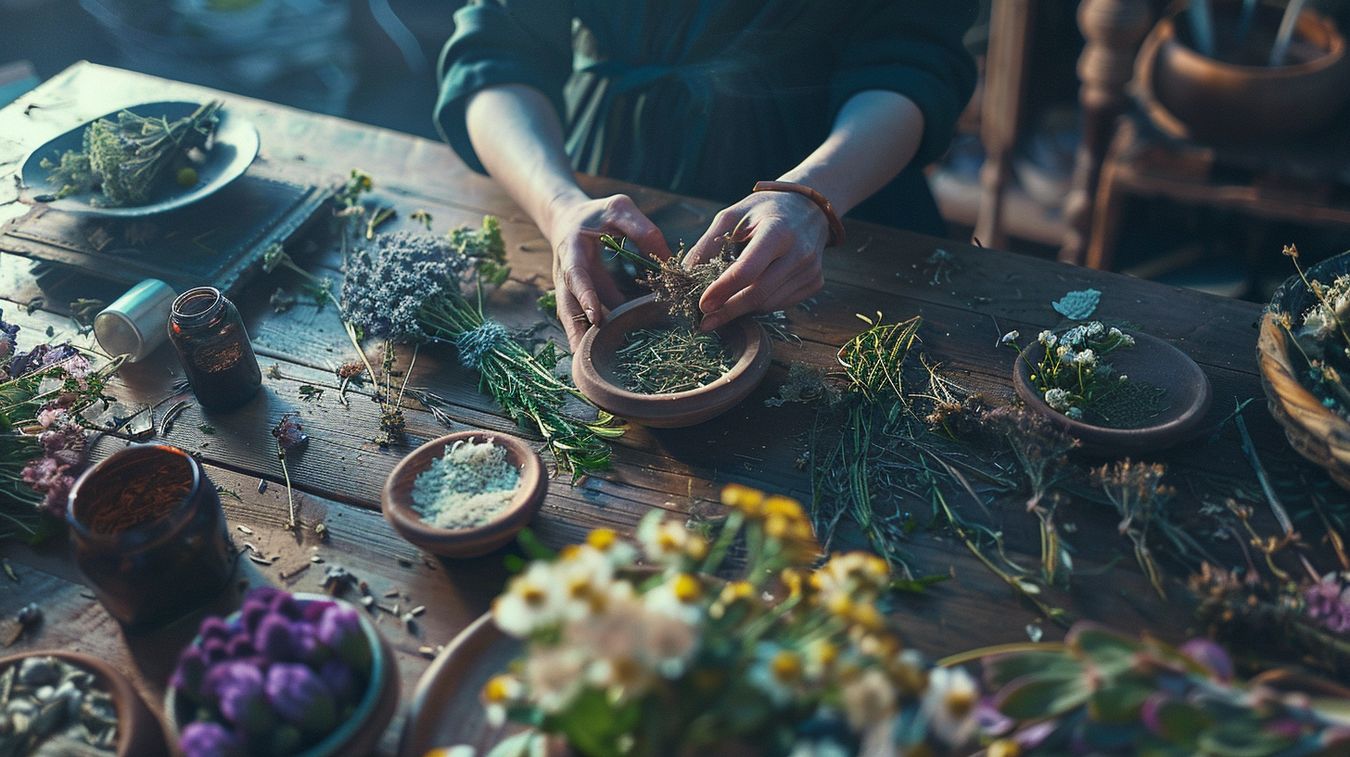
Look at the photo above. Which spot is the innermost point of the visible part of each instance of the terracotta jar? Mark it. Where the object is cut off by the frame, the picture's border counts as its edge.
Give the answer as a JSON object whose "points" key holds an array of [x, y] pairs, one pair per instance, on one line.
{"points": [[149, 535]]}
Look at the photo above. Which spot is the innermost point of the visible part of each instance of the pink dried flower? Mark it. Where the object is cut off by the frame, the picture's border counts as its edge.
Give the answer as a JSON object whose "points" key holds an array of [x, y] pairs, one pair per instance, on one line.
{"points": [[290, 433]]}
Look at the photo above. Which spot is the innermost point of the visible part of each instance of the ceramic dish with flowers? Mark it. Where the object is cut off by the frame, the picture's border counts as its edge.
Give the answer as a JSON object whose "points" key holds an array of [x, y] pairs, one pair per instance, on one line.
{"points": [[286, 675]]}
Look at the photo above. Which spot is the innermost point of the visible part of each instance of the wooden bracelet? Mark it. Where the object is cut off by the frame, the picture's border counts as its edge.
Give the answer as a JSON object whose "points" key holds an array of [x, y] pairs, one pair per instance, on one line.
{"points": [[836, 226]]}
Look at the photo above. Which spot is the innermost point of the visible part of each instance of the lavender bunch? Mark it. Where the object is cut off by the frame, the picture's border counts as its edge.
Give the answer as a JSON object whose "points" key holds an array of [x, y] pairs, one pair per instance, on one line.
{"points": [[273, 679], [412, 287]]}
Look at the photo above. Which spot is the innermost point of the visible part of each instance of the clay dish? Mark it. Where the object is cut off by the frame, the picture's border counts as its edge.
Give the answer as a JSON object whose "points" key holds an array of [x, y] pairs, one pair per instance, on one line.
{"points": [[138, 732], [593, 369], [397, 504], [1151, 360]]}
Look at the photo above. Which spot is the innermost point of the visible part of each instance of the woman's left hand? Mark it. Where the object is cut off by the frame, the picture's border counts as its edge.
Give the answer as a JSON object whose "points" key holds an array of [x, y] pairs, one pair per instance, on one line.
{"points": [[780, 265]]}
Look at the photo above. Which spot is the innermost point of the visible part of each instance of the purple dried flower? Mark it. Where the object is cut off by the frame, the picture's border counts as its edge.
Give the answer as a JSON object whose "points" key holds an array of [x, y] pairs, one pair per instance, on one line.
{"points": [[340, 630], [238, 689], [47, 355], [387, 283], [191, 671], [1328, 602], [285, 605], [300, 697], [215, 628], [239, 647], [290, 433], [310, 612], [274, 637], [202, 739], [1211, 656], [50, 415], [214, 649], [58, 495], [62, 436]]}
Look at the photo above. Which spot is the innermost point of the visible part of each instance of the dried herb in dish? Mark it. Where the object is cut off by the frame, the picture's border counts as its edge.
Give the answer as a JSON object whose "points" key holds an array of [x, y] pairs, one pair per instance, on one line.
{"points": [[669, 360], [127, 158]]}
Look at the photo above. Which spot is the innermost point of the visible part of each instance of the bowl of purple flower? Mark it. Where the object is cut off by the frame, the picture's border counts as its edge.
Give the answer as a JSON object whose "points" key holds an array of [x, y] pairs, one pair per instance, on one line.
{"points": [[288, 674]]}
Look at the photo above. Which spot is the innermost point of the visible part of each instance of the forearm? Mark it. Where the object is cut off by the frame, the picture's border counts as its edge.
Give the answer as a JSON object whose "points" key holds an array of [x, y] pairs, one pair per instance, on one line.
{"points": [[517, 135], [875, 135]]}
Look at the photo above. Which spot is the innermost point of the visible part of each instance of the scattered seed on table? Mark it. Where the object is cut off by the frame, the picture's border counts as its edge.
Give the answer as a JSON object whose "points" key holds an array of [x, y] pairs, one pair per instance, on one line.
{"points": [[315, 559], [262, 485], [391, 593], [426, 652], [367, 600], [245, 530], [418, 610], [9, 571], [287, 576], [259, 559]]}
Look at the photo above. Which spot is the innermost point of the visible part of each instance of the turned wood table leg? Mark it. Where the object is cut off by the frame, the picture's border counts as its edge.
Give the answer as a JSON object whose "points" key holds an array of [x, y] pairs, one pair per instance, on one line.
{"points": [[1113, 30], [1001, 111]]}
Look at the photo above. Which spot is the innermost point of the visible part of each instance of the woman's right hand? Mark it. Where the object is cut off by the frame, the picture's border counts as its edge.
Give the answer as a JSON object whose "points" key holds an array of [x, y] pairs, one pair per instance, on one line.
{"points": [[585, 289]]}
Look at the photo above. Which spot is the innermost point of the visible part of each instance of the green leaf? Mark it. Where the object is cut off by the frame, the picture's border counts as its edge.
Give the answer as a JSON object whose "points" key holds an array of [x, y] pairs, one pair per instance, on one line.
{"points": [[1181, 722], [1034, 697], [1107, 651], [1001, 670], [593, 726], [533, 548], [1241, 737], [1118, 704]]}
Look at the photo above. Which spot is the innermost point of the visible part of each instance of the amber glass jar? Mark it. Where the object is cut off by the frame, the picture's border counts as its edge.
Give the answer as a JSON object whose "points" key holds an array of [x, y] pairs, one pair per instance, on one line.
{"points": [[149, 535], [213, 346]]}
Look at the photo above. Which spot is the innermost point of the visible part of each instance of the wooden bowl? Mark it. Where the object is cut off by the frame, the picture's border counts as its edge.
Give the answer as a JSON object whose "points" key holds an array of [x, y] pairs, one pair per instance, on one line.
{"points": [[1315, 431], [1151, 360], [138, 731], [359, 734], [396, 498], [593, 369], [1190, 95]]}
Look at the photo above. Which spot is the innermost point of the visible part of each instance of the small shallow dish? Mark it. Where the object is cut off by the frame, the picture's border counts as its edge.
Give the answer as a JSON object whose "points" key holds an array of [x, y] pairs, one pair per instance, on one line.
{"points": [[397, 504], [358, 734], [234, 147], [1151, 360], [138, 731], [593, 369]]}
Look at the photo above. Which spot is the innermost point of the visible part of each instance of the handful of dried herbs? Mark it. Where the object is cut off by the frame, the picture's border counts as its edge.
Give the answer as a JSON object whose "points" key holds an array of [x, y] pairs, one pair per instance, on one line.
{"points": [[128, 158], [679, 358]]}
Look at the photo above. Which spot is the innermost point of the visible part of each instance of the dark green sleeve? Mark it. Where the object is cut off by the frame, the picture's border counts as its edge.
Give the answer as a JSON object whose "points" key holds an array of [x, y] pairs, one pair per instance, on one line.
{"points": [[499, 42], [915, 48]]}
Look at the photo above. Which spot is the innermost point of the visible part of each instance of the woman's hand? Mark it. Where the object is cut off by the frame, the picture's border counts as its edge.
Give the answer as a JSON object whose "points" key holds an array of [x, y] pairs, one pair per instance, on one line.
{"points": [[585, 289], [779, 267]]}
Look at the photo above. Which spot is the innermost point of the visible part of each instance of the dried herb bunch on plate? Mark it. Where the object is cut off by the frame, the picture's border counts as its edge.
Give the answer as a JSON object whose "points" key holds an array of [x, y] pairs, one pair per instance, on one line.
{"points": [[127, 160], [679, 357]]}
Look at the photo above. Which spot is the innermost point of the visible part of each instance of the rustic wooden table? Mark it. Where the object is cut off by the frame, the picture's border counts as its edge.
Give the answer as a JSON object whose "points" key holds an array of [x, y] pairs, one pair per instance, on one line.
{"points": [[966, 307]]}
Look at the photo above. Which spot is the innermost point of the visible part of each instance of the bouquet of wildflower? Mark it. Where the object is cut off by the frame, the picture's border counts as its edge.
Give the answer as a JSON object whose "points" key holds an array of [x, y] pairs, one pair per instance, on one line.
{"points": [[1075, 380], [42, 436], [273, 679], [127, 158], [1320, 336], [412, 287], [1104, 693], [636, 650]]}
